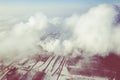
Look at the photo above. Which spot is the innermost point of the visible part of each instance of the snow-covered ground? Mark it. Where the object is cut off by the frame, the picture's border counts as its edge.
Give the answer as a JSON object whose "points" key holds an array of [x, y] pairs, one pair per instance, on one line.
{"points": [[26, 64]]}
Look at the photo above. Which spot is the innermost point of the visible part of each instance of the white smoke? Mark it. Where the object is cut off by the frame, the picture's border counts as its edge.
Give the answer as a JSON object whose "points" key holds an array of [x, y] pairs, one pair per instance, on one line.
{"points": [[94, 32], [23, 37]]}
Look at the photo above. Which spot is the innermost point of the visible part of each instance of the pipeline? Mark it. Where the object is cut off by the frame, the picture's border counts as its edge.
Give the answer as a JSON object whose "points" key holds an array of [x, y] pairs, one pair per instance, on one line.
{"points": [[58, 57], [62, 65], [48, 64], [6, 70], [43, 63], [26, 74], [58, 67], [41, 74]]}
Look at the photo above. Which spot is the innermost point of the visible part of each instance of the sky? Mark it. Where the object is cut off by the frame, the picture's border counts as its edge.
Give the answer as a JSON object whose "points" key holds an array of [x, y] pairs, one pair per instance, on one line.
{"points": [[37, 2], [49, 7]]}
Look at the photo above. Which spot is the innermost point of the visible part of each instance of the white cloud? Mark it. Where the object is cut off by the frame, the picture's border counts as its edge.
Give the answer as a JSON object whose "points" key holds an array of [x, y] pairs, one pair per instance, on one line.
{"points": [[93, 32]]}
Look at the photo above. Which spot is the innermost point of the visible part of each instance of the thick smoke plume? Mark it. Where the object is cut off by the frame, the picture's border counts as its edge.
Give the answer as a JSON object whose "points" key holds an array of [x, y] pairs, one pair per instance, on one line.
{"points": [[94, 32]]}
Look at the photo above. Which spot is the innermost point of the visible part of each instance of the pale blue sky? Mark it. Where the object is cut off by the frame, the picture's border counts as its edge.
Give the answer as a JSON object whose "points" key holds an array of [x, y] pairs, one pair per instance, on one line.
{"points": [[51, 7], [38, 2]]}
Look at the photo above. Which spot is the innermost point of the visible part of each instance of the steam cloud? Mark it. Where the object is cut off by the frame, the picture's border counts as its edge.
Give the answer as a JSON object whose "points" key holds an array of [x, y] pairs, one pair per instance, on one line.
{"points": [[94, 32]]}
